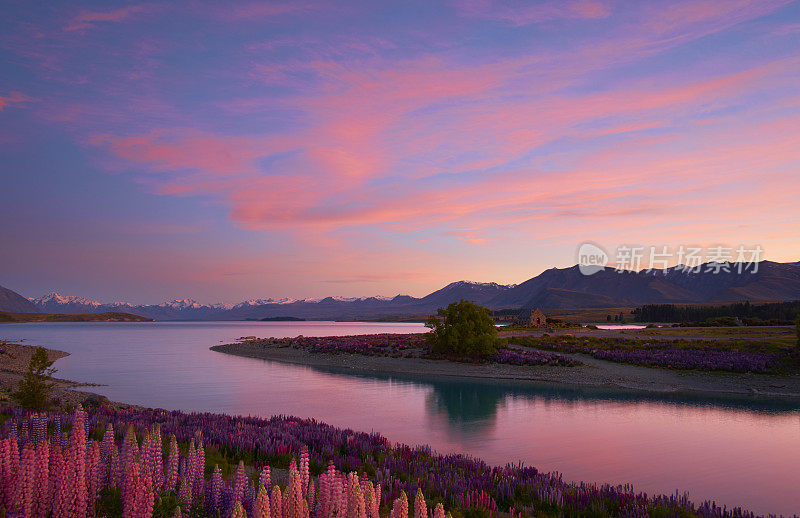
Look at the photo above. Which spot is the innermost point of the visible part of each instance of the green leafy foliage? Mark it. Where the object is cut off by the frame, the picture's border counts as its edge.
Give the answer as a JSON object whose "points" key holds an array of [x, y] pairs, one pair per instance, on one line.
{"points": [[35, 388], [463, 329]]}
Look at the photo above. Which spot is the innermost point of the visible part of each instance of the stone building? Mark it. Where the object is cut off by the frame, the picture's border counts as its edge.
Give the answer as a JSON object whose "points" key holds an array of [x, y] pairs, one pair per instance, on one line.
{"points": [[537, 318]]}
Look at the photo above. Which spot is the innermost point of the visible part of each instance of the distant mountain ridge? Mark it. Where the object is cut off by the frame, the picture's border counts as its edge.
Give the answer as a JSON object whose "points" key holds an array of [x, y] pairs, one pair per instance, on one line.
{"points": [[556, 288]]}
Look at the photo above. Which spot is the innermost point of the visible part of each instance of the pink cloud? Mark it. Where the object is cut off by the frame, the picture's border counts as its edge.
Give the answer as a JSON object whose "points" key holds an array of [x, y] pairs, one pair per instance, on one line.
{"points": [[88, 19], [13, 98], [540, 12]]}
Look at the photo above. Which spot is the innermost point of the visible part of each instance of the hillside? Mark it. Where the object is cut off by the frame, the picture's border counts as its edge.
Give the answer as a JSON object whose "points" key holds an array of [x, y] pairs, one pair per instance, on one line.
{"points": [[87, 317], [14, 302]]}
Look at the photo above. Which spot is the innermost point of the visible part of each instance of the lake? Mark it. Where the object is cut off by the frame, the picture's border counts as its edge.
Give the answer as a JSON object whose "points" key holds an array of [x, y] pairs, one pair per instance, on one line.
{"points": [[739, 453]]}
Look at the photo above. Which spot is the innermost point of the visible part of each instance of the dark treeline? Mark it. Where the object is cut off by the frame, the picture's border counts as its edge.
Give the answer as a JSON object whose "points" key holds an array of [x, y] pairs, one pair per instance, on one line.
{"points": [[747, 313]]}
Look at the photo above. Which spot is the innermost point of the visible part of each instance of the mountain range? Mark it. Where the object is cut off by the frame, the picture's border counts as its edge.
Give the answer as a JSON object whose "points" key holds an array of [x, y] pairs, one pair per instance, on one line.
{"points": [[556, 288]]}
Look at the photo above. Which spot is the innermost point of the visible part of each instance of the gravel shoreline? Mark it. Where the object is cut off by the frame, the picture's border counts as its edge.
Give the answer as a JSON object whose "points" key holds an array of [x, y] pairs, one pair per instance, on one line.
{"points": [[593, 373], [14, 360]]}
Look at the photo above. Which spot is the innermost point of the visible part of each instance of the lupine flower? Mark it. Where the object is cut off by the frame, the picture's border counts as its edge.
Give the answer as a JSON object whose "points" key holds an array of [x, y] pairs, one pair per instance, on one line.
{"points": [[261, 507], [276, 510], [238, 511], [420, 507], [172, 465]]}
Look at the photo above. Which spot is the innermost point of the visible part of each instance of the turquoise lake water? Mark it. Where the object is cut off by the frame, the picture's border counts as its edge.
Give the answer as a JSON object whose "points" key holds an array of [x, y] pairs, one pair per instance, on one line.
{"points": [[739, 453]]}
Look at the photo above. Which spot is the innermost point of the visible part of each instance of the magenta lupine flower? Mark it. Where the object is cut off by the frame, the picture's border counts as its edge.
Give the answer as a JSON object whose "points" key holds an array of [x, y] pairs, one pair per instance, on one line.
{"points": [[261, 505], [6, 483], [239, 483]]}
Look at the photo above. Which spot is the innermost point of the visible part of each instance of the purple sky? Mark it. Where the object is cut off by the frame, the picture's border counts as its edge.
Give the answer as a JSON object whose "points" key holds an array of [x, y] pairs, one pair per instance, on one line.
{"points": [[269, 149]]}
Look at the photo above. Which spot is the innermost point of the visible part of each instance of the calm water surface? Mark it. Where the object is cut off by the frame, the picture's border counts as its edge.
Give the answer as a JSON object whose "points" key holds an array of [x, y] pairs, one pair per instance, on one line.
{"points": [[739, 453]]}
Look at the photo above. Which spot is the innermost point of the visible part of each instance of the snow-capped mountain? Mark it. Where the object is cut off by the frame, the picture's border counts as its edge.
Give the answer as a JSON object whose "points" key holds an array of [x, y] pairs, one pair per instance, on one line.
{"points": [[54, 302], [553, 288]]}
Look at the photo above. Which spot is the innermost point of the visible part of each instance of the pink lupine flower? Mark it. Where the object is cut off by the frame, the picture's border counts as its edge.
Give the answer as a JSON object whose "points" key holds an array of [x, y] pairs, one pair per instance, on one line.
{"points": [[400, 507], [58, 467], [93, 480], [264, 478], [238, 511], [130, 452], [261, 505], [199, 468], [276, 510], [43, 479], [145, 496], [304, 476], [77, 503], [171, 480], [26, 483], [310, 499], [420, 507], [293, 502], [215, 493], [130, 490], [240, 482], [356, 507], [185, 492], [438, 512], [369, 500]]}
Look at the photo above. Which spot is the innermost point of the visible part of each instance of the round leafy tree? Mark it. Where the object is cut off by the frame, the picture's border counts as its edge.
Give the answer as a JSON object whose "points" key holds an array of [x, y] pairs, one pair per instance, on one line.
{"points": [[463, 329]]}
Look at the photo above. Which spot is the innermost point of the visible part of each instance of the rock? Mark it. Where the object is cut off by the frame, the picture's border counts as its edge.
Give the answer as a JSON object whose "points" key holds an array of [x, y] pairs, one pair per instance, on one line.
{"points": [[94, 401]]}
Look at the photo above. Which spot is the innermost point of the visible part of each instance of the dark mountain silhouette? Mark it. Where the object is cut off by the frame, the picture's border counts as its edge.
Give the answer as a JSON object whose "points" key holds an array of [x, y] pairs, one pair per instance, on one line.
{"points": [[13, 302]]}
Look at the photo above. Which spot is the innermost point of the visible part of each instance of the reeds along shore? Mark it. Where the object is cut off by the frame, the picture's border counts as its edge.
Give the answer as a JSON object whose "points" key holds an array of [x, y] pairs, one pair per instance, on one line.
{"points": [[172, 463]]}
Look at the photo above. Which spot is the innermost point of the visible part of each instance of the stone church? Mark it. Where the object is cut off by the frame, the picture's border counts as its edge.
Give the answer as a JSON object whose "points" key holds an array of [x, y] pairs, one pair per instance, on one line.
{"points": [[537, 318]]}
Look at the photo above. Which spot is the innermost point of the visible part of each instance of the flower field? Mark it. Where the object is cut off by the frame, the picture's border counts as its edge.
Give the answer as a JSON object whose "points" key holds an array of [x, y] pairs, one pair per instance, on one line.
{"points": [[141, 463], [703, 355], [402, 346]]}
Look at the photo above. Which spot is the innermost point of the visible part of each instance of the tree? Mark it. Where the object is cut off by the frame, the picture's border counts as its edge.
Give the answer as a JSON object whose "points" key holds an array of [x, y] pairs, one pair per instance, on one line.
{"points": [[463, 329], [35, 388]]}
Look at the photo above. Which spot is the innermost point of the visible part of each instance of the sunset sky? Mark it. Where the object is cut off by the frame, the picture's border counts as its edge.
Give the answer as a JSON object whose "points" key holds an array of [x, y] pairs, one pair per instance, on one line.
{"points": [[154, 151]]}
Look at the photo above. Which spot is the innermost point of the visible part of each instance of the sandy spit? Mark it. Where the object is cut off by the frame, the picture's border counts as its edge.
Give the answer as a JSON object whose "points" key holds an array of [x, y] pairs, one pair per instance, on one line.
{"points": [[593, 373]]}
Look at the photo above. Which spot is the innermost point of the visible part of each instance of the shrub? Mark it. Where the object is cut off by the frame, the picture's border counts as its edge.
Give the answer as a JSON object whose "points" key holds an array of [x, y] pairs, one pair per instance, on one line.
{"points": [[34, 390], [463, 329]]}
